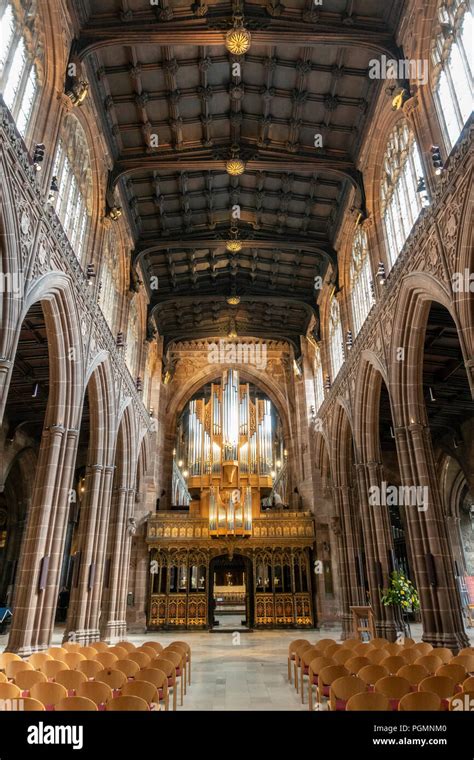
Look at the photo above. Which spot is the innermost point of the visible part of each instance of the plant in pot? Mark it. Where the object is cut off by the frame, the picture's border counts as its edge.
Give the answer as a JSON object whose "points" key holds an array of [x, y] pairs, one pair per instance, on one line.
{"points": [[403, 597]]}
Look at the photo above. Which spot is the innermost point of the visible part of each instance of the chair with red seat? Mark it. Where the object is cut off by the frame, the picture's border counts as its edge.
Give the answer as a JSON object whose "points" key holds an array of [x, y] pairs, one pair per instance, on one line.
{"points": [[143, 689], [431, 662], [420, 701], [394, 688], [49, 694], [26, 678], [393, 663], [369, 700], [342, 689], [414, 674], [315, 666], [159, 679], [326, 677], [370, 674], [71, 680], [443, 686]]}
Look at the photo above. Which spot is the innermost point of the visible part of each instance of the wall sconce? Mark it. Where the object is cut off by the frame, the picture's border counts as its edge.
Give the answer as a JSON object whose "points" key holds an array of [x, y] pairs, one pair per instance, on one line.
{"points": [[78, 92]]}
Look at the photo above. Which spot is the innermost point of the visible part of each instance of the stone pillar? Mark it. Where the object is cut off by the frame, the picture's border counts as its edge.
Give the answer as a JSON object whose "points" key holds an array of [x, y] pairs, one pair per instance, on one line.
{"points": [[6, 366], [45, 534], [378, 543], [351, 594], [84, 605], [427, 532], [113, 624]]}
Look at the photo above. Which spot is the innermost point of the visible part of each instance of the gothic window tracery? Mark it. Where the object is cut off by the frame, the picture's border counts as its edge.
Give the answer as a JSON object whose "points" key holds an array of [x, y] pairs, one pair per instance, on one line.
{"points": [[362, 298], [451, 56], [400, 199], [20, 53]]}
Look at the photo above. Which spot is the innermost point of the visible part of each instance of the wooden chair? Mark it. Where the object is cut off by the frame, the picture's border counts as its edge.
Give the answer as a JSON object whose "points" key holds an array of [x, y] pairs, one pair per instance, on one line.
{"points": [[376, 655], [414, 674], [420, 701], [150, 651], [466, 650], [113, 678], [393, 649], [9, 691], [379, 642], [143, 689], [71, 680], [408, 642], [16, 666], [48, 693], [394, 688], [121, 652], [370, 674], [393, 663], [100, 646], [451, 670], [331, 650], [444, 653], [143, 660], [51, 667], [422, 648], [90, 668], [443, 686], [326, 677], [344, 654], [466, 660], [159, 679], [3, 677], [76, 704], [342, 689], [177, 659], [128, 667], [181, 650], [431, 662], [106, 659], [7, 657], [315, 666], [98, 691], [350, 644], [362, 649], [462, 701], [324, 643], [410, 655], [25, 679], [304, 660], [127, 703], [157, 646], [187, 649], [468, 684], [126, 645], [369, 700], [298, 652], [57, 653], [88, 652], [22, 704], [168, 667], [71, 646], [72, 659], [354, 664]]}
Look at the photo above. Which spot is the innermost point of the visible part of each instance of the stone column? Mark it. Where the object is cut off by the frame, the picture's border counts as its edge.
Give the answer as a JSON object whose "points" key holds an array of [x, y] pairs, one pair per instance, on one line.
{"points": [[6, 366], [427, 532], [113, 624], [45, 534], [84, 605], [378, 543], [351, 593]]}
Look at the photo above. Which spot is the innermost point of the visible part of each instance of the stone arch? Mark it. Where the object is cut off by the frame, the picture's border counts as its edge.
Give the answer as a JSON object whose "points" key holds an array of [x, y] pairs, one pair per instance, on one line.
{"points": [[368, 386], [417, 292], [248, 374]]}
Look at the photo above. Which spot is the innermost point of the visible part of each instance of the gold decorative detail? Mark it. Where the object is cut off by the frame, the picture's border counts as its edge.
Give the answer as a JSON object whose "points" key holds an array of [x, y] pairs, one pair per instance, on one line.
{"points": [[233, 300], [233, 245], [235, 167], [238, 40]]}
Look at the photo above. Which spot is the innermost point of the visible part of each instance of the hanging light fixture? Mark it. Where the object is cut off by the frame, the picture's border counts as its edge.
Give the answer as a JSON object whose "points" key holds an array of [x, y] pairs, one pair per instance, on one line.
{"points": [[238, 39], [233, 245], [233, 300]]}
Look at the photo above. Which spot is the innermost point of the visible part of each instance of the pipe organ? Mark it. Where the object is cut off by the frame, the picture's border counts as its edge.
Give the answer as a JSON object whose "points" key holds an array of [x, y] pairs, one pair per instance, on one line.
{"points": [[229, 444], [229, 463]]}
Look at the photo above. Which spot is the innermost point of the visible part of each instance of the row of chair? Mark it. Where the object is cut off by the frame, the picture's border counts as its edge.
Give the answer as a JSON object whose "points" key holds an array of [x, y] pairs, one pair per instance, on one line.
{"points": [[375, 660], [99, 674]]}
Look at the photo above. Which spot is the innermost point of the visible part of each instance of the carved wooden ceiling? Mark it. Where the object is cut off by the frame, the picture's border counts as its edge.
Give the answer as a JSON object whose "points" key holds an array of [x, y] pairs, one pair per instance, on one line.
{"points": [[161, 74]]}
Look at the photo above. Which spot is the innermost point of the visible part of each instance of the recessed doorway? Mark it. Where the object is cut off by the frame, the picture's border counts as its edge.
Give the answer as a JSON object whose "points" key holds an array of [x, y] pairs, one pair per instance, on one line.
{"points": [[230, 593]]}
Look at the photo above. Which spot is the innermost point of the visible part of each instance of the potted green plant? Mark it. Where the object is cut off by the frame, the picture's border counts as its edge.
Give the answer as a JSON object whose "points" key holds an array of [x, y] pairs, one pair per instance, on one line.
{"points": [[403, 596]]}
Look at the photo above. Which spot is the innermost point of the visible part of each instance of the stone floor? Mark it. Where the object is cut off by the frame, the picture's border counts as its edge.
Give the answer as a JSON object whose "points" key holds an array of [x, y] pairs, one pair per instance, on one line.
{"points": [[239, 671]]}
